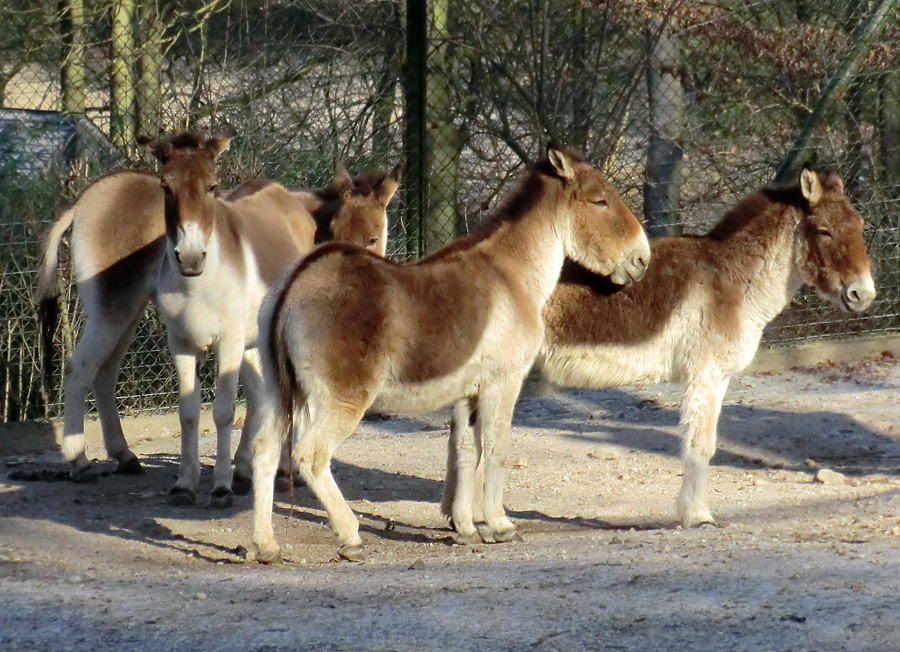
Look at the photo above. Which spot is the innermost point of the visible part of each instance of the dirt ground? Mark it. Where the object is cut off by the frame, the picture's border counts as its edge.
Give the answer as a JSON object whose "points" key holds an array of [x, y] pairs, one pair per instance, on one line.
{"points": [[792, 564]]}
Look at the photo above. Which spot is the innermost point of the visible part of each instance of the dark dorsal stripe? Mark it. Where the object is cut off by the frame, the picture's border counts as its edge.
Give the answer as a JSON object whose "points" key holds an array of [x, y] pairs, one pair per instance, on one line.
{"points": [[530, 192], [755, 205]]}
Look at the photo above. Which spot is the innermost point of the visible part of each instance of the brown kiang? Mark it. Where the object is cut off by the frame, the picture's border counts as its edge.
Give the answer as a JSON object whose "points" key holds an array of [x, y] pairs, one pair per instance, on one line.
{"points": [[348, 331], [128, 248], [698, 315]]}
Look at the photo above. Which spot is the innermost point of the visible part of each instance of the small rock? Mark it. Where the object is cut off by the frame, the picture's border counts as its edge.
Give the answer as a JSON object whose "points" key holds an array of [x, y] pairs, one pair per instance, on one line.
{"points": [[760, 482], [604, 454], [827, 476], [199, 596], [418, 564], [76, 579], [896, 531], [251, 556], [811, 463], [521, 463]]}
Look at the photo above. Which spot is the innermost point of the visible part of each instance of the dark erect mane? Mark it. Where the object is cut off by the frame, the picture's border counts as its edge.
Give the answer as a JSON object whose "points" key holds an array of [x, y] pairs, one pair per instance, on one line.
{"points": [[186, 139], [518, 203], [364, 184], [755, 205]]}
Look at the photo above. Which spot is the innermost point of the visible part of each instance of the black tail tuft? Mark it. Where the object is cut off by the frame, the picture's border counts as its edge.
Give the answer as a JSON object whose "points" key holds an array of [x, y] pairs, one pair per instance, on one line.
{"points": [[48, 312]]}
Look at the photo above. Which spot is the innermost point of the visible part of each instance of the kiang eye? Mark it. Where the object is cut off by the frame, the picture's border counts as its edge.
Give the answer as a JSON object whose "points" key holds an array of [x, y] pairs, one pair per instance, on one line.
{"points": [[825, 233], [372, 242], [212, 187], [602, 203]]}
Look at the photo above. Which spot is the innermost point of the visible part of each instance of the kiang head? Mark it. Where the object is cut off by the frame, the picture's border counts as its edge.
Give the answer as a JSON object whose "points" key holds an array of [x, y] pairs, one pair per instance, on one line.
{"points": [[603, 235], [831, 252], [361, 215], [189, 181]]}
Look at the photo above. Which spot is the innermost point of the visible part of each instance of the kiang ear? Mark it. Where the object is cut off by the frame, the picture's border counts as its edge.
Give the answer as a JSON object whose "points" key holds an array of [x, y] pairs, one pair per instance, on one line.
{"points": [[161, 150], [810, 186], [389, 184], [833, 184], [560, 162], [342, 179], [218, 144]]}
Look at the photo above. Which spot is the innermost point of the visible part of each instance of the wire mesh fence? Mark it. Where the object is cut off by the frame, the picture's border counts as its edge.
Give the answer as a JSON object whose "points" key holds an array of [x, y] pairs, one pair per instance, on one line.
{"points": [[687, 106]]}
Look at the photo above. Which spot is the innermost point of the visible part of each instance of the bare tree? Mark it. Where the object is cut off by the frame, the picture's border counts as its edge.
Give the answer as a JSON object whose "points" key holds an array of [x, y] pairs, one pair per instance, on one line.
{"points": [[121, 77], [662, 185]]}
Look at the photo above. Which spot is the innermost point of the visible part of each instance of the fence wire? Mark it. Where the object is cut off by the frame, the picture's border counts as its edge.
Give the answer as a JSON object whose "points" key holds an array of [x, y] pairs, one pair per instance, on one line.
{"points": [[686, 105]]}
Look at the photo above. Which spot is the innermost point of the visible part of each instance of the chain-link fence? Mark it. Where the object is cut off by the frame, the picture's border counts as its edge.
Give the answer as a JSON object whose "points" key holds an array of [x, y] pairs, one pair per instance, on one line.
{"points": [[686, 105]]}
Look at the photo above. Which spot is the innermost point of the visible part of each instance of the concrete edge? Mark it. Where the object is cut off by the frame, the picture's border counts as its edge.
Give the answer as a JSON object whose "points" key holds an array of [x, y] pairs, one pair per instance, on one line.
{"points": [[810, 354]]}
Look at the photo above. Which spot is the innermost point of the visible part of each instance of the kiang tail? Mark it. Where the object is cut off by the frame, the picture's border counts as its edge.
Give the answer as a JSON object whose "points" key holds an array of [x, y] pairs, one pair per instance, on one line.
{"points": [[47, 294]]}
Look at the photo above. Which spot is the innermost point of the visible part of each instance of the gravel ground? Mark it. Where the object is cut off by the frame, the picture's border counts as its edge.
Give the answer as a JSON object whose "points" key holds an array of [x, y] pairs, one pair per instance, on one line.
{"points": [[792, 564]]}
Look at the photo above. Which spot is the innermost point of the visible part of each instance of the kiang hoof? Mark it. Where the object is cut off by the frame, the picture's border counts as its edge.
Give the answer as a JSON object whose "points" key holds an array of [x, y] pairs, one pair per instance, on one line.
{"points": [[83, 474], [485, 532], [241, 485], [507, 536], [268, 555], [221, 497], [467, 539], [500, 536], [181, 497], [131, 466], [352, 553], [700, 520]]}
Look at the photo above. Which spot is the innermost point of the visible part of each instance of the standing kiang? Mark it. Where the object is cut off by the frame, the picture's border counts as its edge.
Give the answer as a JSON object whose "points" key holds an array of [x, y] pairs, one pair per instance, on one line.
{"points": [[698, 315], [207, 262], [347, 331]]}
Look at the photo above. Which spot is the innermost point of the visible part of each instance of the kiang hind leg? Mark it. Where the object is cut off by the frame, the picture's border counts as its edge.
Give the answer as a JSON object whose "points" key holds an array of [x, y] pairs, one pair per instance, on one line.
{"points": [[100, 347], [463, 453], [330, 422], [700, 407], [107, 407], [266, 443], [495, 410]]}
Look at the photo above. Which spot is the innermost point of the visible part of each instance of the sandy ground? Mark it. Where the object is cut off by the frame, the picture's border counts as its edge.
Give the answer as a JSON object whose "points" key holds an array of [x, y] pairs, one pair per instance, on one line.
{"points": [[792, 564]]}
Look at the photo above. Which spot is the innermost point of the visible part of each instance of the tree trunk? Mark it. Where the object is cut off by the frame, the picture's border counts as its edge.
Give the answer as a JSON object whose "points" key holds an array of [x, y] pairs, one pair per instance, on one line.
{"points": [[148, 114], [121, 105], [414, 124], [662, 188], [442, 140], [72, 95], [72, 99], [582, 96], [385, 89], [855, 157]]}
